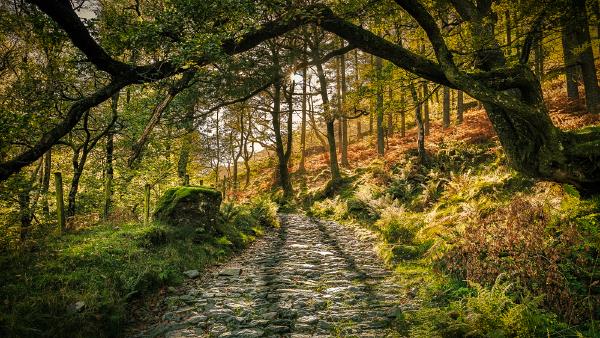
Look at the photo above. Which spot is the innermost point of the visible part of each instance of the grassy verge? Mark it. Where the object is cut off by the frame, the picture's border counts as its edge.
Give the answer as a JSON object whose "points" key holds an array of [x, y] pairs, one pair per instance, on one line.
{"points": [[489, 252], [106, 266]]}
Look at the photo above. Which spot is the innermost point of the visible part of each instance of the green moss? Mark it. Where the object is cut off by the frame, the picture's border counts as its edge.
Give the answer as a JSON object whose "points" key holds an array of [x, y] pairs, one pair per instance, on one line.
{"points": [[170, 199], [189, 206]]}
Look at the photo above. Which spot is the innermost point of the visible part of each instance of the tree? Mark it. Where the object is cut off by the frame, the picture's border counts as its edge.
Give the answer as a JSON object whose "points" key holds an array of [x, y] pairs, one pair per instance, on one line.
{"points": [[327, 111], [446, 107], [577, 19], [571, 67], [511, 94], [379, 104]]}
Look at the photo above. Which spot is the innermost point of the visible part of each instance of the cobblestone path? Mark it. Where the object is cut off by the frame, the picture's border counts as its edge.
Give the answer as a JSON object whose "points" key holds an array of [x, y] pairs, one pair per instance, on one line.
{"points": [[309, 278]]}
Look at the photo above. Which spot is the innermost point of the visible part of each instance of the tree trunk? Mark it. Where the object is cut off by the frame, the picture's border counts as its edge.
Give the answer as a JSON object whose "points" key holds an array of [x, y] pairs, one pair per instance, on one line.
{"points": [[402, 115], [390, 114], [379, 107], [539, 56], [184, 155], [329, 118], [46, 183], [420, 125], [571, 66], [508, 32], [426, 120], [284, 178], [446, 108], [460, 107], [586, 58], [77, 171], [108, 179], [356, 85], [343, 118], [301, 167]]}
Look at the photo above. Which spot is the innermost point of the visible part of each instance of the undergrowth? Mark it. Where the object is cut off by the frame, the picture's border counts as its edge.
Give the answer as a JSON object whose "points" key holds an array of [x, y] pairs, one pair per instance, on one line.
{"points": [[106, 266], [492, 253]]}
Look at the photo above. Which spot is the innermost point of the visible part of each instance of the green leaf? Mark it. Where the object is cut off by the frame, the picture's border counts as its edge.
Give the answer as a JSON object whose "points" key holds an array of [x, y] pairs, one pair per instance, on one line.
{"points": [[571, 190]]}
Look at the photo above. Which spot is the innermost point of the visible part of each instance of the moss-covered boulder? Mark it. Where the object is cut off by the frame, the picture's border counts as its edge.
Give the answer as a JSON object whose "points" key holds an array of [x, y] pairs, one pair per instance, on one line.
{"points": [[189, 206]]}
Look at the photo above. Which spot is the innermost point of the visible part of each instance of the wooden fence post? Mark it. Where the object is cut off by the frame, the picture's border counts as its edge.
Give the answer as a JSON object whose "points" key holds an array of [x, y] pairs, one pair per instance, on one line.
{"points": [[146, 204], [201, 182], [60, 202]]}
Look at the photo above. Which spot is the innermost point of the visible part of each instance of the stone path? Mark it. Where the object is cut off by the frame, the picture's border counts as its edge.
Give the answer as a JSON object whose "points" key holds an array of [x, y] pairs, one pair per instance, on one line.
{"points": [[307, 279]]}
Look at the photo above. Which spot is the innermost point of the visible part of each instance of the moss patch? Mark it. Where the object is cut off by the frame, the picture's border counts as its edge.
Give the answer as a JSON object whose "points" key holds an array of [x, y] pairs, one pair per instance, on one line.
{"points": [[189, 206]]}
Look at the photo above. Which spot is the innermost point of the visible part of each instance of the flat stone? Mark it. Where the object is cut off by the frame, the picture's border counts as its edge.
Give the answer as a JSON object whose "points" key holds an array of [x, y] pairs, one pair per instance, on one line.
{"points": [[308, 320], [196, 319], [270, 315], [231, 272], [249, 333], [77, 307], [192, 273]]}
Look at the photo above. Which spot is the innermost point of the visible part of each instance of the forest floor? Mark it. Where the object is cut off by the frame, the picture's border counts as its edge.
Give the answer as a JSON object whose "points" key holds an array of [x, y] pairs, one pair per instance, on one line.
{"points": [[309, 278]]}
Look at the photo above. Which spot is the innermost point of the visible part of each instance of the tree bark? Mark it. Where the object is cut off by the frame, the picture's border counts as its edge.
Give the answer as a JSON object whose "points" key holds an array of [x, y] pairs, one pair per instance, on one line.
{"points": [[379, 107], [586, 58], [343, 118], [446, 108], [329, 118], [390, 113], [420, 126], [301, 166], [402, 115], [460, 107], [570, 61], [46, 183], [284, 178], [426, 120]]}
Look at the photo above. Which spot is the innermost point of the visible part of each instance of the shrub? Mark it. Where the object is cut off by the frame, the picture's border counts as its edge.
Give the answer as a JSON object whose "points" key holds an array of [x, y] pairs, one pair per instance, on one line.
{"points": [[546, 251], [489, 312], [265, 211], [399, 227]]}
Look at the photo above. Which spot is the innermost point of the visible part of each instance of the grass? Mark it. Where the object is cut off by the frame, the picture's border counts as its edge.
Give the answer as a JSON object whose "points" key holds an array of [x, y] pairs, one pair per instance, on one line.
{"points": [[451, 229], [106, 267]]}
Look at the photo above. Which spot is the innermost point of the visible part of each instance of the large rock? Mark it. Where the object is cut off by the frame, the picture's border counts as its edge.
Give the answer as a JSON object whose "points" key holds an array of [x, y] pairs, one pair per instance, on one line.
{"points": [[189, 206]]}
